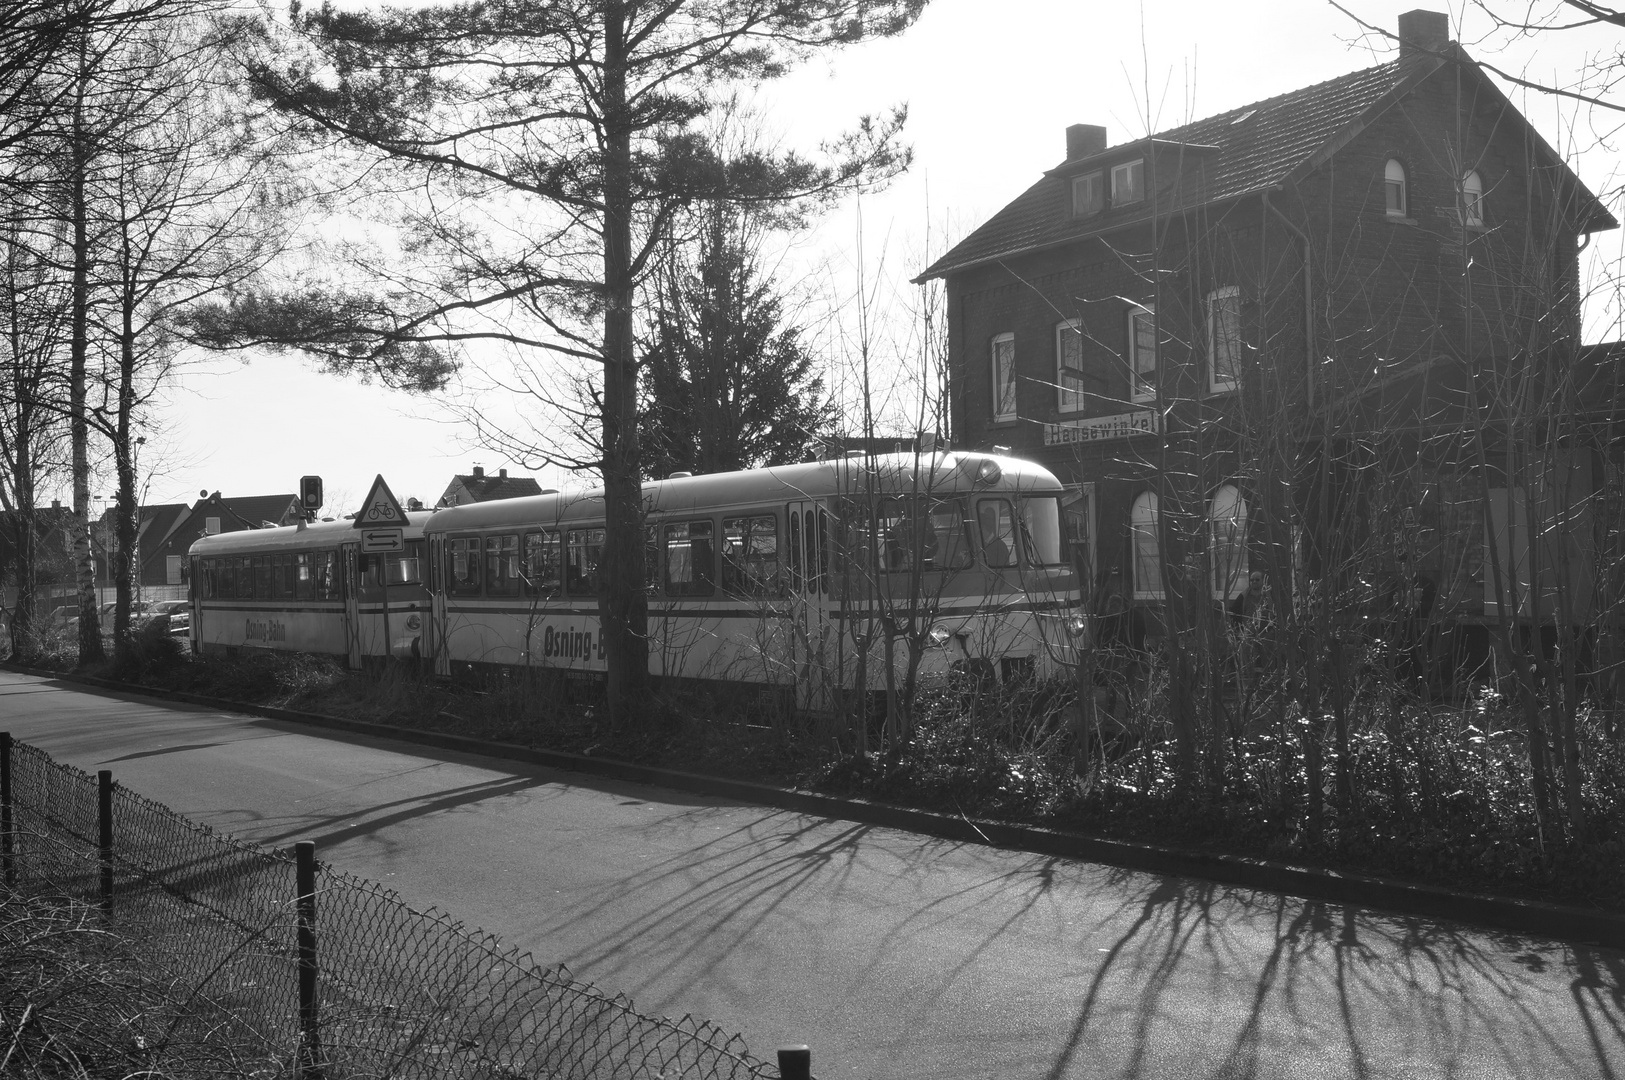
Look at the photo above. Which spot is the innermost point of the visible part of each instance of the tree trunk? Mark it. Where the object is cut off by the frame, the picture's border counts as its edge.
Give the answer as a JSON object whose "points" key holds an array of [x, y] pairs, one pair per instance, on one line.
{"points": [[622, 602], [84, 560], [124, 527]]}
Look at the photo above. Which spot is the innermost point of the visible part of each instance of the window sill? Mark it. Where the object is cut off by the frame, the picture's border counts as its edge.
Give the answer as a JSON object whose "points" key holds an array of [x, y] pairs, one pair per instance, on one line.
{"points": [[1004, 422], [1221, 391], [1401, 219]]}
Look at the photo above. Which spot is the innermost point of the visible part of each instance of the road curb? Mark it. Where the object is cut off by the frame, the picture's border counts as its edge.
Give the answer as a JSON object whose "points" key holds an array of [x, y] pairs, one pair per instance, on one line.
{"points": [[1573, 924]]}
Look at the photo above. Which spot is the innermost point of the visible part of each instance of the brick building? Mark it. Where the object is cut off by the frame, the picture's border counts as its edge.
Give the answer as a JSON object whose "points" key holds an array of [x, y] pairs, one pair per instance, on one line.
{"points": [[1300, 336]]}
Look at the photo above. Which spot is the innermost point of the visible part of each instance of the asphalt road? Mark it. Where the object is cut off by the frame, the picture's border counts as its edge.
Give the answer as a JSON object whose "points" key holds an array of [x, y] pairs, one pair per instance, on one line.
{"points": [[893, 955]]}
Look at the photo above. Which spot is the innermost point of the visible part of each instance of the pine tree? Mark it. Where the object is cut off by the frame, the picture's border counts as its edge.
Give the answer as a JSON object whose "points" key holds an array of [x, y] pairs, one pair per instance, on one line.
{"points": [[728, 383]]}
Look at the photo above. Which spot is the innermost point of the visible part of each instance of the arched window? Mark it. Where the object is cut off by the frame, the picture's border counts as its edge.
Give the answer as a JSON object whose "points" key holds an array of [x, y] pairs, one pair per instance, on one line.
{"points": [[1472, 199], [1147, 551], [1393, 183], [1227, 541]]}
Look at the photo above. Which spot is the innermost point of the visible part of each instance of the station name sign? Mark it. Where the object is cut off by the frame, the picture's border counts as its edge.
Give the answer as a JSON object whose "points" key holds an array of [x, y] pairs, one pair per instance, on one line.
{"points": [[1101, 428]]}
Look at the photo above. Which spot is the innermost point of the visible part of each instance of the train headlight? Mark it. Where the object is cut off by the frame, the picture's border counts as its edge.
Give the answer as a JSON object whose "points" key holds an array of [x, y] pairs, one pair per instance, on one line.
{"points": [[1076, 625], [988, 472], [939, 636]]}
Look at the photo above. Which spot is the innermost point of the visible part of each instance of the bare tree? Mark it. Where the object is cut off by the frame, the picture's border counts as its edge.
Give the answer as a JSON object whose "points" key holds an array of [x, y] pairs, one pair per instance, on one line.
{"points": [[573, 119]]}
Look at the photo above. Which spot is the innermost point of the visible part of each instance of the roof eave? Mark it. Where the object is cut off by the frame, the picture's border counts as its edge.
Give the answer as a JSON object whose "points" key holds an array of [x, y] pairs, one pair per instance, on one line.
{"points": [[938, 271]]}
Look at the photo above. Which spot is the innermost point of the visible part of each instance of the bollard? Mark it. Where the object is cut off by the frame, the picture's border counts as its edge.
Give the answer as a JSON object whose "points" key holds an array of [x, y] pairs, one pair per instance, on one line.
{"points": [[310, 1055], [795, 1063], [104, 834], [6, 849]]}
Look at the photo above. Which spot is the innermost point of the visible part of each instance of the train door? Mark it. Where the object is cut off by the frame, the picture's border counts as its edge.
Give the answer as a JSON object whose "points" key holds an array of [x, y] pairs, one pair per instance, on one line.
{"points": [[194, 593], [434, 631], [812, 630], [349, 553]]}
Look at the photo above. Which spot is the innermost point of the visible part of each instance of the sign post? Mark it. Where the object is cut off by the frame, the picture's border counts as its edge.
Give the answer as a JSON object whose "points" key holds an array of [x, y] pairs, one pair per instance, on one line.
{"points": [[381, 521]]}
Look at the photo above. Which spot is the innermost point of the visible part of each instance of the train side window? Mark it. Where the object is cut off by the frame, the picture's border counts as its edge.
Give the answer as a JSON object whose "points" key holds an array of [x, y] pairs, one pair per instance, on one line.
{"points": [[228, 578], [502, 565], [207, 584], [651, 558], [463, 566], [304, 581], [262, 577], [543, 574], [584, 551], [327, 583], [690, 559], [750, 555], [406, 567], [897, 542], [997, 525], [823, 538], [793, 520], [949, 535]]}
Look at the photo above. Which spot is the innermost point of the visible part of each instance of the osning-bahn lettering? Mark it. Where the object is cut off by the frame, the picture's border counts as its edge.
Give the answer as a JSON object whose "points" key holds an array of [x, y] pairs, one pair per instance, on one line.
{"points": [[568, 643], [266, 630]]}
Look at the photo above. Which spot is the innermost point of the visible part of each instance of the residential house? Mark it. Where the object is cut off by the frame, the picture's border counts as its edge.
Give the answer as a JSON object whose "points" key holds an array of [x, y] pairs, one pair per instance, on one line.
{"points": [[163, 549], [53, 555], [1307, 335], [476, 487]]}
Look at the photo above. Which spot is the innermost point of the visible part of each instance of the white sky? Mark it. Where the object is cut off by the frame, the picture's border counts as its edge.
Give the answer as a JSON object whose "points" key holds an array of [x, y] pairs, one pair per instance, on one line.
{"points": [[989, 96]]}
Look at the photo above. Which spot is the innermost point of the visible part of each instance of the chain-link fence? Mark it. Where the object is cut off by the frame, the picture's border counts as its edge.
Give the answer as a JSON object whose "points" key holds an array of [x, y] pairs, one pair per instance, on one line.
{"points": [[396, 993]]}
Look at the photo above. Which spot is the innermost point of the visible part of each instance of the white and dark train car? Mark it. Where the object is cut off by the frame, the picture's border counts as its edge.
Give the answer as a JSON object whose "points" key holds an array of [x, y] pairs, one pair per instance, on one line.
{"points": [[787, 579], [309, 588]]}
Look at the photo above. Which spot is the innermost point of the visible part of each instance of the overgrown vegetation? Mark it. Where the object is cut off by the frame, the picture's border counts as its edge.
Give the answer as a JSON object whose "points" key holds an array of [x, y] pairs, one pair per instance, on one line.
{"points": [[1440, 791], [79, 999]]}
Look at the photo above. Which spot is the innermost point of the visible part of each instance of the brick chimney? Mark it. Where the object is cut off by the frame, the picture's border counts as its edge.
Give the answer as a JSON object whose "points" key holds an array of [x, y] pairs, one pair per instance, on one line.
{"points": [[479, 470], [1082, 140], [502, 474], [1423, 33]]}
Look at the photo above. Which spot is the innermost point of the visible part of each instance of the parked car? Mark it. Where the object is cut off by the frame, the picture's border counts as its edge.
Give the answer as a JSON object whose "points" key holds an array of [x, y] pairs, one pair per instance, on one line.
{"points": [[176, 614]]}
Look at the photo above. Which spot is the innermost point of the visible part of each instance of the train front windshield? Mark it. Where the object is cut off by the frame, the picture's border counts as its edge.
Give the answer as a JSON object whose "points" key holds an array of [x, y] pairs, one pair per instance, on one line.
{"points": [[1041, 529]]}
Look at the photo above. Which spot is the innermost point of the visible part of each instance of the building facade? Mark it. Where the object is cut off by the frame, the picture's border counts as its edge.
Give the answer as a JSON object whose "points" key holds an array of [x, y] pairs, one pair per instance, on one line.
{"points": [[1313, 336]]}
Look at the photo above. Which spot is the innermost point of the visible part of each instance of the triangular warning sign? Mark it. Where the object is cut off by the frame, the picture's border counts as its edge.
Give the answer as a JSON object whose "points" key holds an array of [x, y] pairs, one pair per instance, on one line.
{"points": [[380, 508]]}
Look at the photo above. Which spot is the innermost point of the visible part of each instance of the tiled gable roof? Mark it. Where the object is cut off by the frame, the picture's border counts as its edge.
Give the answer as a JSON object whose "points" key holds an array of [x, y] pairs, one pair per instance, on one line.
{"points": [[1252, 147], [257, 509], [488, 488]]}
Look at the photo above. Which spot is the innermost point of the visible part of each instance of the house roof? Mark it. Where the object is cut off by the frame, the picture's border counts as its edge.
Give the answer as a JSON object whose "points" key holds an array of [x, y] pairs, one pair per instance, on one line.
{"points": [[1253, 148], [482, 488]]}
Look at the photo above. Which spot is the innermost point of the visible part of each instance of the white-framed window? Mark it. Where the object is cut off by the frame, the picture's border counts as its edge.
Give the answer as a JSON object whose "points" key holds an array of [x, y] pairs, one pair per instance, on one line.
{"points": [[1393, 186], [211, 525], [1069, 365], [1147, 549], [172, 569], [1002, 368], [1142, 353], [1227, 541], [1223, 338], [1128, 182], [1472, 199], [1088, 194]]}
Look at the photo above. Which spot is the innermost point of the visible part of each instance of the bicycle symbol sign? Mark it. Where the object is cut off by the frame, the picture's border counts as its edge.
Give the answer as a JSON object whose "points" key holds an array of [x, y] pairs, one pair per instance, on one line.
{"points": [[380, 506]]}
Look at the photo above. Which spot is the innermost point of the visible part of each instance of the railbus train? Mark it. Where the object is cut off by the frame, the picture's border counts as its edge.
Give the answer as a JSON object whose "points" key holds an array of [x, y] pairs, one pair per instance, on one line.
{"points": [[802, 580], [309, 588]]}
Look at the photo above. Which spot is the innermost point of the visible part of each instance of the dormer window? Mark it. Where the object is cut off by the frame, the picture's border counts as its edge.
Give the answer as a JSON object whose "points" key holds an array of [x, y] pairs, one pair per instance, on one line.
{"points": [[1128, 182], [1472, 199], [1393, 185], [1088, 194]]}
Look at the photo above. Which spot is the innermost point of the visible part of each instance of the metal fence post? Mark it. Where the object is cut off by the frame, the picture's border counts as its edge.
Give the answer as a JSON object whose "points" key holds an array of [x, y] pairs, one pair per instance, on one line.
{"points": [[795, 1063], [310, 1055], [6, 849], [104, 833]]}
